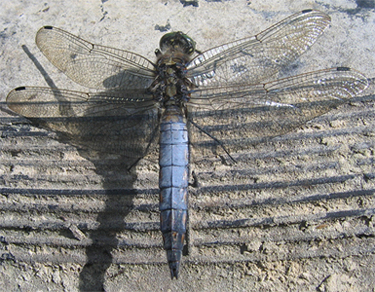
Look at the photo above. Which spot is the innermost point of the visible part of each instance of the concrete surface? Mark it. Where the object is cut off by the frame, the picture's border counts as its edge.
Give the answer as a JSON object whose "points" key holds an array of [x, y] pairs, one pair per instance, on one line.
{"points": [[298, 216]]}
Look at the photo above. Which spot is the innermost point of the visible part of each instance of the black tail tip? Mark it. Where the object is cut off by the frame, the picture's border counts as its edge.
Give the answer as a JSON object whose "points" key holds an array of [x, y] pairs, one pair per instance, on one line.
{"points": [[174, 268]]}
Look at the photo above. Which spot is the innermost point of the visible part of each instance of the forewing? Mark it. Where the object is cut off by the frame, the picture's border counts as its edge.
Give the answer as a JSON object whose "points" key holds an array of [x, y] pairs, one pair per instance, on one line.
{"points": [[94, 66], [240, 116], [108, 122], [253, 60]]}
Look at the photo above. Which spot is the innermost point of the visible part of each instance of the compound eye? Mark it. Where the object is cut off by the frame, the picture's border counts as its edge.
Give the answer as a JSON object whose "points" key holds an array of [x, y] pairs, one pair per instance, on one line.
{"points": [[189, 44], [177, 41]]}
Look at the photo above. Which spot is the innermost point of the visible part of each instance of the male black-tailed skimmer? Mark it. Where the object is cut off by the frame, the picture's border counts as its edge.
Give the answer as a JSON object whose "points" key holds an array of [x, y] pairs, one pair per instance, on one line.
{"points": [[213, 99]]}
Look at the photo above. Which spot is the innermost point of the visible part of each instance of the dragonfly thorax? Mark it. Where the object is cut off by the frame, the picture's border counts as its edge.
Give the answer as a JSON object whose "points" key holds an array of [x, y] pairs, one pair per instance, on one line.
{"points": [[171, 85]]}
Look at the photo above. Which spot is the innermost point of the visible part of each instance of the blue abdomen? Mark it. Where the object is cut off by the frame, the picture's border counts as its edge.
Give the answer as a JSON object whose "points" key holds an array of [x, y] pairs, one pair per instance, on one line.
{"points": [[173, 184]]}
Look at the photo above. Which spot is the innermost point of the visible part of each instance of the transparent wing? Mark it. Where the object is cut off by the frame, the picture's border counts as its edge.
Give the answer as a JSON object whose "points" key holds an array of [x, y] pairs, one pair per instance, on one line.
{"points": [[108, 122], [239, 116], [252, 60], [94, 66]]}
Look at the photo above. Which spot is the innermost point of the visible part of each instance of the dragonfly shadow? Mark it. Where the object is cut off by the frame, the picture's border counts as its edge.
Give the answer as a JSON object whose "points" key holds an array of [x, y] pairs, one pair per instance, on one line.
{"points": [[97, 139], [118, 197]]}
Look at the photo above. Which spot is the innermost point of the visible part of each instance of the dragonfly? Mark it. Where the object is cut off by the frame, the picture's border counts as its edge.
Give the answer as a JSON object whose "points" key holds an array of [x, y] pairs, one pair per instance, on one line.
{"points": [[219, 99]]}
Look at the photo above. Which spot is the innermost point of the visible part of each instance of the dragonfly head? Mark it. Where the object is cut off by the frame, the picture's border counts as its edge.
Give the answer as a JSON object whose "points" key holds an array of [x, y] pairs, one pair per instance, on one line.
{"points": [[177, 41]]}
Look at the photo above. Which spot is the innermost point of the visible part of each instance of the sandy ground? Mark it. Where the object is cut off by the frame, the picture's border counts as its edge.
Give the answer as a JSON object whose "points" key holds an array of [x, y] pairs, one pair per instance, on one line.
{"points": [[295, 214]]}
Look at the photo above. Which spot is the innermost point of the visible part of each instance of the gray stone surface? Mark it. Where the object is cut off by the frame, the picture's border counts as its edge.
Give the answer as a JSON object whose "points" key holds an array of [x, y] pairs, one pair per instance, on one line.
{"points": [[309, 202]]}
